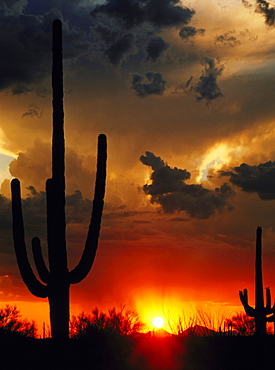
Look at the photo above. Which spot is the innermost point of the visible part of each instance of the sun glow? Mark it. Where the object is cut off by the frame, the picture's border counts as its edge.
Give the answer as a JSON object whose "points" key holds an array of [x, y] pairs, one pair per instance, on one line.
{"points": [[158, 322]]}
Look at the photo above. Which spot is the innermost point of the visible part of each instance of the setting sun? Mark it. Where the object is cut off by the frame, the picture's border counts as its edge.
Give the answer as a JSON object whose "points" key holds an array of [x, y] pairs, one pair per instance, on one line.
{"points": [[158, 322]]}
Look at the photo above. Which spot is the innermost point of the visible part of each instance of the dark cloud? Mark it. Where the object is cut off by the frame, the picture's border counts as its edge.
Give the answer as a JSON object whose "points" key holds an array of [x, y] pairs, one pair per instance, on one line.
{"points": [[33, 111], [111, 31], [264, 8], [166, 13], [169, 190], [254, 179], [119, 49], [78, 209], [155, 48], [132, 13], [189, 31], [20, 89], [207, 87], [24, 42], [228, 39], [26, 38], [115, 18], [155, 86]]}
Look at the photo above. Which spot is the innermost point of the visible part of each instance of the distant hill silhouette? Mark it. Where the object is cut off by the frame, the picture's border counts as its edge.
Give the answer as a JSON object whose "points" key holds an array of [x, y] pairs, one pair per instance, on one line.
{"points": [[196, 330], [199, 331]]}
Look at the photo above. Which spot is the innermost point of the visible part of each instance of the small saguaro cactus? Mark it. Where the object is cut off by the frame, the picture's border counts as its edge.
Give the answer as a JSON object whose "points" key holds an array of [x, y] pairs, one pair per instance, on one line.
{"points": [[261, 311], [57, 278]]}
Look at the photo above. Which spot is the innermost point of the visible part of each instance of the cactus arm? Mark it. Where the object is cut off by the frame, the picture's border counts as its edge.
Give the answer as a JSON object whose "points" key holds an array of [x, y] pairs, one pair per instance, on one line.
{"points": [[268, 310], [250, 311], [268, 300], [41, 267], [88, 256], [34, 285]]}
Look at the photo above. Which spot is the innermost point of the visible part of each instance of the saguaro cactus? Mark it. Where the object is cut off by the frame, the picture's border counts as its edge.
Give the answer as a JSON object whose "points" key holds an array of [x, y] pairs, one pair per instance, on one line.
{"points": [[260, 312], [57, 278]]}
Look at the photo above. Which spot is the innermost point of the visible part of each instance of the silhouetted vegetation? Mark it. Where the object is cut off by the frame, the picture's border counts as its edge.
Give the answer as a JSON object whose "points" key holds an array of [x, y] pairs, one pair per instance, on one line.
{"points": [[241, 324], [11, 323], [122, 322], [261, 311], [57, 278]]}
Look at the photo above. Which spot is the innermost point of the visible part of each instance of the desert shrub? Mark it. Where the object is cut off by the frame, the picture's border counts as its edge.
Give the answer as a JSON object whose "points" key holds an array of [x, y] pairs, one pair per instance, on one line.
{"points": [[11, 323], [241, 323], [122, 322]]}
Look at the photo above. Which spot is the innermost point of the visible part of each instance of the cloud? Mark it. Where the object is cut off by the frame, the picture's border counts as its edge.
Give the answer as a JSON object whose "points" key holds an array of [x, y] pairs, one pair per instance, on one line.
{"points": [[120, 49], [169, 190], [132, 13], [254, 179], [24, 41], [33, 111], [155, 48], [20, 89], [207, 87], [189, 31], [34, 167], [227, 39], [143, 19], [26, 38], [246, 4], [78, 210], [263, 7], [110, 31], [155, 86], [5, 213]]}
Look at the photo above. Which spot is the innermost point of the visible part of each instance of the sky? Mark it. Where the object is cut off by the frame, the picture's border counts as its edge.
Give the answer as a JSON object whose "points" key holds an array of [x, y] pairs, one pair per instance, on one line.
{"points": [[184, 92]]}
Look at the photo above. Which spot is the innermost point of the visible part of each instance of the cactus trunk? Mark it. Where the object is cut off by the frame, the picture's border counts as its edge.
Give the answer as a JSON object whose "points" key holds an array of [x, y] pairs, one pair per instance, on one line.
{"points": [[59, 309], [261, 311], [260, 316], [58, 278]]}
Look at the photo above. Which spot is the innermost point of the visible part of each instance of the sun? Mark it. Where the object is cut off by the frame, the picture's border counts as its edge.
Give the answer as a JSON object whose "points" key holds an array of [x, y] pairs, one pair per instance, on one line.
{"points": [[158, 322]]}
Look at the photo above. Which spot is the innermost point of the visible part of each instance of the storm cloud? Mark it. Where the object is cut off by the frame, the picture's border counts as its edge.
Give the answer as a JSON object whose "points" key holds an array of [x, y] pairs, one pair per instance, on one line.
{"points": [[25, 41], [189, 31], [169, 190], [206, 87], [254, 179], [155, 86], [143, 19], [155, 48], [78, 209], [132, 13], [118, 51]]}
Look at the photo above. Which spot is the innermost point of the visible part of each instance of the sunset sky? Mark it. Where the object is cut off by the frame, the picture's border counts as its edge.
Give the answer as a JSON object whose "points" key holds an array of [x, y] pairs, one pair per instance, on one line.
{"points": [[184, 91]]}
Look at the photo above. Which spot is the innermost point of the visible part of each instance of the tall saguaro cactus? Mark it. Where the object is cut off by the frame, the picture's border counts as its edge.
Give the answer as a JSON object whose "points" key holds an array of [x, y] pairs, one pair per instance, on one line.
{"points": [[57, 278], [261, 311]]}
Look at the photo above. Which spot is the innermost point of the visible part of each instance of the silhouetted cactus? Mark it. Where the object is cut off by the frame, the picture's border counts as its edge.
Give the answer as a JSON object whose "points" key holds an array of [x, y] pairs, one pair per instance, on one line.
{"points": [[260, 312], [58, 278]]}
